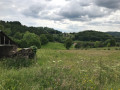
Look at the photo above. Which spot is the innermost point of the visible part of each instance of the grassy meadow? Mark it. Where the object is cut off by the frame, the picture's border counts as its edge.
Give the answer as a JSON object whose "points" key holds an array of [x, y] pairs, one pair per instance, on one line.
{"points": [[59, 69]]}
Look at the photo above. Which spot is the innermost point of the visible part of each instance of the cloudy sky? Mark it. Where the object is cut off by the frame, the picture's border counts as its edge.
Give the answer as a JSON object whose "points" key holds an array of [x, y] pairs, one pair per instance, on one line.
{"points": [[64, 15]]}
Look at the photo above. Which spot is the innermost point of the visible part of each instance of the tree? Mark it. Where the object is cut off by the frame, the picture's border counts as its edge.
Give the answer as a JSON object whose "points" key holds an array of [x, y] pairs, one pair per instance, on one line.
{"points": [[31, 39], [43, 39], [68, 43], [50, 37], [110, 42], [108, 45], [18, 35]]}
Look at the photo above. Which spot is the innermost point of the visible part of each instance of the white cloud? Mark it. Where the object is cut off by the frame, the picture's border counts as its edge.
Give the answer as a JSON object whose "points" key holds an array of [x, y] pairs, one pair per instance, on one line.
{"points": [[64, 15]]}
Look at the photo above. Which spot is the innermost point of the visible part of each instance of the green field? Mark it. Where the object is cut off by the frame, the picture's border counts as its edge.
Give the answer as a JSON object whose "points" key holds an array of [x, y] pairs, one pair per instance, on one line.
{"points": [[60, 69]]}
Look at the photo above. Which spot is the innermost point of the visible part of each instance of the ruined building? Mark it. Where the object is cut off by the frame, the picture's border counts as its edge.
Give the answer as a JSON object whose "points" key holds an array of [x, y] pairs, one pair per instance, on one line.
{"points": [[7, 46]]}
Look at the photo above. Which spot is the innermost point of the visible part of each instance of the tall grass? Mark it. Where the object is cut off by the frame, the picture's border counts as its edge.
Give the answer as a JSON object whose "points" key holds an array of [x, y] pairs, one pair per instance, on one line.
{"points": [[65, 70]]}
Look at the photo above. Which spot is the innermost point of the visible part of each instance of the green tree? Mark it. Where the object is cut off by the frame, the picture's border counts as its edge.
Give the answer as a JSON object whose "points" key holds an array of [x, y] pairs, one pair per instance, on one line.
{"points": [[18, 35], [97, 44], [112, 42], [1, 27], [68, 43], [50, 37], [31, 39], [43, 39], [108, 45]]}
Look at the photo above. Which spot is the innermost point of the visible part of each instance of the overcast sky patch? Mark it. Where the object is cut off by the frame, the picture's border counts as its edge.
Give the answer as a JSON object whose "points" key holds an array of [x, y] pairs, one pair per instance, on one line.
{"points": [[64, 15]]}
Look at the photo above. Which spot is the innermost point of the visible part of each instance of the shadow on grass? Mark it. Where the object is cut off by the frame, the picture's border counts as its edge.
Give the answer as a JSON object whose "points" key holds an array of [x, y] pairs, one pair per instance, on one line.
{"points": [[16, 63]]}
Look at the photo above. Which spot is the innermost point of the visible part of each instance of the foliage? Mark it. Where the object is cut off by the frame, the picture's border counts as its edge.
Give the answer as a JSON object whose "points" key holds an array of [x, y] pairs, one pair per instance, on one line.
{"points": [[85, 45], [92, 36], [115, 34], [50, 37], [43, 39], [68, 43], [31, 39], [17, 32], [97, 44], [34, 48], [111, 42]]}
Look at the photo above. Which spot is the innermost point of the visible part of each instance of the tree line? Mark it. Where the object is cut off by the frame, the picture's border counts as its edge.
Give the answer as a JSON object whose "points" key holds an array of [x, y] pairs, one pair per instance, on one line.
{"points": [[26, 36]]}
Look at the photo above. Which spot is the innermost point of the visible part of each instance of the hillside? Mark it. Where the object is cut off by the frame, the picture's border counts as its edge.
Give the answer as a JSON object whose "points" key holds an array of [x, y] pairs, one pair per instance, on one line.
{"points": [[115, 34], [12, 27], [92, 36]]}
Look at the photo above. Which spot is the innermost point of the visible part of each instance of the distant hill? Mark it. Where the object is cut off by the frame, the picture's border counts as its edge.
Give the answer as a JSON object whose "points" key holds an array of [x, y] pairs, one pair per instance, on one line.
{"points": [[115, 34], [91, 35], [12, 27], [16, 31]]}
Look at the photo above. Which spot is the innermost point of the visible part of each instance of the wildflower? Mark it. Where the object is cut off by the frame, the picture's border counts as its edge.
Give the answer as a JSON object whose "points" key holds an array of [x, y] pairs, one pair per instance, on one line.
{"points": [[48, 67], [53, 61], [59, 60]]}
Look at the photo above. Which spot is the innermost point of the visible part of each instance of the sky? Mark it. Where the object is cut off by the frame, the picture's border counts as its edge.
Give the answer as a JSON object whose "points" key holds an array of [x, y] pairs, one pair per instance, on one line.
{"points": [[64, 15]]}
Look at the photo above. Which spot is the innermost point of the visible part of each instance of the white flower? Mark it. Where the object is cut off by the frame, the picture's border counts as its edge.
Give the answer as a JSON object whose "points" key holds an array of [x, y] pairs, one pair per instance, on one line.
{"points": [[59, 60], [53, 61]]}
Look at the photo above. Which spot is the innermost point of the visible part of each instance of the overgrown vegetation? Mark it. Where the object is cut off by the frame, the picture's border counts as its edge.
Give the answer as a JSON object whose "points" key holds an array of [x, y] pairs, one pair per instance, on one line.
{"points": [[97, 44], [15, 63], [62, 69]]}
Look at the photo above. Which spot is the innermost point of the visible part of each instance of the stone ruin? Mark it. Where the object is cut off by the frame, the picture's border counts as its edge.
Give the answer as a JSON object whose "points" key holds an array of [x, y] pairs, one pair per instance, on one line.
{"points": [[25, 53]]}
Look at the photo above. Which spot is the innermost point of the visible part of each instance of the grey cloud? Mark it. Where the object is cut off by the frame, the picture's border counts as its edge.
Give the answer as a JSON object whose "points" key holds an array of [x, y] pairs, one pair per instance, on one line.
{"points": [[33, 11], [77, 11], [112, 4], [76, 28]]}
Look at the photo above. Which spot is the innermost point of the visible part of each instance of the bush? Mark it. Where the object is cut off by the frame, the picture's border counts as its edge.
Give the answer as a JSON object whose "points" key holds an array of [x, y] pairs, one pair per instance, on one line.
{"points": [[78, 45], [34, 48], [110, 42], [68, 43]]}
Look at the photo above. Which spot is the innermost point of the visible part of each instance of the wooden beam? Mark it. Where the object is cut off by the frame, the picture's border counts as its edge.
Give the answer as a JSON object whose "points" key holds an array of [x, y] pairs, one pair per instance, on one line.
{"points": [[0, 40], [4, 39], [9, 42]]}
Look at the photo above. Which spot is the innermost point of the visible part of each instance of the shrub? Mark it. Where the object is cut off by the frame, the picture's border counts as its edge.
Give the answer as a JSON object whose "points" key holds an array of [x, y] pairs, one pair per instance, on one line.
{"points": [[68, 43], [34, 48], [78, 45]]}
